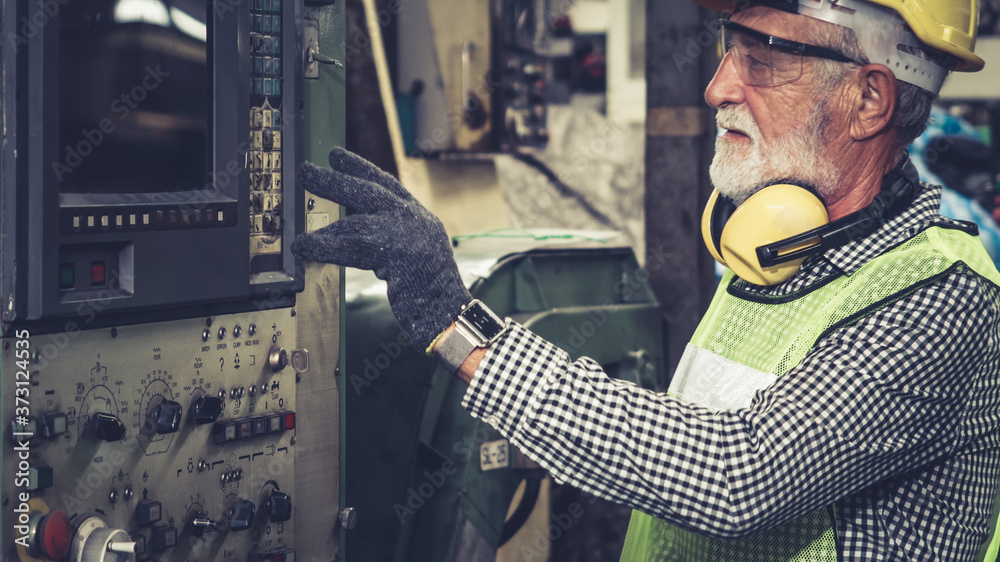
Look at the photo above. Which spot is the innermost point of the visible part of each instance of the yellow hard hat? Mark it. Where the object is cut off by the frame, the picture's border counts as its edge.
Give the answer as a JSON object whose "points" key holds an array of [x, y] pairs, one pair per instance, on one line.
{"points": [[946, 25]]}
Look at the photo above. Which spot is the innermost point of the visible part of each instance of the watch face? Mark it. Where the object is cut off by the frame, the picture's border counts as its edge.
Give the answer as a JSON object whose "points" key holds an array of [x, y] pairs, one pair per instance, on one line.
{"points": [[483, 320]]}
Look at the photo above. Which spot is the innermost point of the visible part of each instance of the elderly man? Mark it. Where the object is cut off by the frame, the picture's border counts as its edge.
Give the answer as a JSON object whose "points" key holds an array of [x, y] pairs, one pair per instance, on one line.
{"points": [[844, 407]]}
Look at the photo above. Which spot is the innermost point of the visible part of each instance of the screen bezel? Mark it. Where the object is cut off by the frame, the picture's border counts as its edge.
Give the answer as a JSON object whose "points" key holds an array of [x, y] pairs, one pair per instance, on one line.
{"points": [[173, 268]]}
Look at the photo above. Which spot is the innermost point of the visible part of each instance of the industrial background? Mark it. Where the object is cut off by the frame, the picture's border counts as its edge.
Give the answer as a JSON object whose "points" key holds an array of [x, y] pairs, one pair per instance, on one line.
{"points": [[176, 386]]}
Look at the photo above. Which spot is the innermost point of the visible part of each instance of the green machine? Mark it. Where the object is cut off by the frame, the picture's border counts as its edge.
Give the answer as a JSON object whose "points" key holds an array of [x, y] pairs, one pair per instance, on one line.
{"points": [[426, 480]]}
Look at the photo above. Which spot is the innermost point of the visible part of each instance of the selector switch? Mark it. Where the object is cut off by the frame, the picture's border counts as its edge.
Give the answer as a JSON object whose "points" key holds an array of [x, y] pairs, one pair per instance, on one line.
{"points": [[277, 358], [206, 409], [200, 523], [166, 417], [107, 427], [240, 514], [279, 506]]}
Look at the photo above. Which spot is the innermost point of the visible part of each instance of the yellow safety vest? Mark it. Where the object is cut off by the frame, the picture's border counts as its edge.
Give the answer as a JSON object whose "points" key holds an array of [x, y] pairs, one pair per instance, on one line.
{"points": [[756, 340]]}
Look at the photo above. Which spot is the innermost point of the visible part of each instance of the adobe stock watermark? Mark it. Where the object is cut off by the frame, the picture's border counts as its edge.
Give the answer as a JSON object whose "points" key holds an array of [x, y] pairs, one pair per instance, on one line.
{"points": [[375, 366], [433, 480], [630, 286], [706, 38], [361, 38], [29, 28], [537, 547], [122, 107]]}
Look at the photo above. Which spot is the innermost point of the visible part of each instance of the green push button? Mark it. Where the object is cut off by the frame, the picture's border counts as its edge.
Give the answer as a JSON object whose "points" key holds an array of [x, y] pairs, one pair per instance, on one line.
{"points": [[67, 276]]}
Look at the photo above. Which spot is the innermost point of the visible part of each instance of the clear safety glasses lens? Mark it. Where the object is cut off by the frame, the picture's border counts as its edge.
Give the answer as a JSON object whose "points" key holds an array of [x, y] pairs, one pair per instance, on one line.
{"points": [[758, 62]]}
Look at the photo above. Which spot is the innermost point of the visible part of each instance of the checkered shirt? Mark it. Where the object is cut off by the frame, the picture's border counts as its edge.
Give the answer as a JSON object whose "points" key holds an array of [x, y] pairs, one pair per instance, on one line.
{"points": [[894, 420]]}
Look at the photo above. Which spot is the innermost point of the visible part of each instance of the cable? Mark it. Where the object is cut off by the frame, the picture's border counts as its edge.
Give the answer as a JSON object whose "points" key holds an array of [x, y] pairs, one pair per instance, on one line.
{"points": [[563, 189], [519, 233], [524, 508]]}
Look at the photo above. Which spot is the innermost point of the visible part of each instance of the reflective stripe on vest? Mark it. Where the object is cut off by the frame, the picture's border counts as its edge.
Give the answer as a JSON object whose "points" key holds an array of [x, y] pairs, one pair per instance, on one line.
{"points": [[745, 341]]}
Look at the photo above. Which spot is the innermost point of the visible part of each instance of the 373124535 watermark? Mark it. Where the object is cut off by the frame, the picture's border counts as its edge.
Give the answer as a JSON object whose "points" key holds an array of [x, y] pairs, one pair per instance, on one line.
{"points": [[22, 434]]}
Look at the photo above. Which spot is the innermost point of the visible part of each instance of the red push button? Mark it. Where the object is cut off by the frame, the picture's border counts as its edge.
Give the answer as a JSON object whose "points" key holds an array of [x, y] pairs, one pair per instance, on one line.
{"points": [[290, 420], [97, 272], [54, 534]]}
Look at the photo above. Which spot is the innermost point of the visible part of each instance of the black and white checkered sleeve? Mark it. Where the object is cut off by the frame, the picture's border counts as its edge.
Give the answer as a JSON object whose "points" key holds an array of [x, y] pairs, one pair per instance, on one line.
{"points": [[882, 396]]}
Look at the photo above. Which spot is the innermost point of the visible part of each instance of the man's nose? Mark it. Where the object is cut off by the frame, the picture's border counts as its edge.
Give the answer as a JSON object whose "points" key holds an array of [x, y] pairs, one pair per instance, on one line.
{"points": [[726, 86]]}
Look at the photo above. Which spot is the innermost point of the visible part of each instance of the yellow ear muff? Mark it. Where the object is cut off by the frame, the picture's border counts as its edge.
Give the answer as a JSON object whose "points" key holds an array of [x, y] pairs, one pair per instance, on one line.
{"points": [[772, 214], [712, 221]]}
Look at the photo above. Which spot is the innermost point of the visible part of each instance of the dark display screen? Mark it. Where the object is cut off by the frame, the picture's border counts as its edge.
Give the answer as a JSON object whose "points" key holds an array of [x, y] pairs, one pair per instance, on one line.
{"points": [[483, 320], [133, 96]]}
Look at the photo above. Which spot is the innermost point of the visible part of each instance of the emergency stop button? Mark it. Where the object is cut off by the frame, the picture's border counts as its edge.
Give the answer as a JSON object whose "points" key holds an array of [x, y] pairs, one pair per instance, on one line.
{"points": [[53, 535]]}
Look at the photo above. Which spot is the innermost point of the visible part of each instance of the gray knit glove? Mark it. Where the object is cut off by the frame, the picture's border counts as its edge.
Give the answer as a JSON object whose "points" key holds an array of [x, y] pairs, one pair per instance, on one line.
{"points": [[391, 234]]}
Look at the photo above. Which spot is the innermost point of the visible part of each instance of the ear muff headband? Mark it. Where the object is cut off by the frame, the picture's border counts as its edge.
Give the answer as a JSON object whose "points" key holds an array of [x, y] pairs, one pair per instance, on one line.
{"points": [[766, 239], [897, 192]]}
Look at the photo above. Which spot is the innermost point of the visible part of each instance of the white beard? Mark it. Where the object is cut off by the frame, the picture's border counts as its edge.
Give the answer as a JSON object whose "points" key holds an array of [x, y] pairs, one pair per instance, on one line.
{"points": [[740, 171]]}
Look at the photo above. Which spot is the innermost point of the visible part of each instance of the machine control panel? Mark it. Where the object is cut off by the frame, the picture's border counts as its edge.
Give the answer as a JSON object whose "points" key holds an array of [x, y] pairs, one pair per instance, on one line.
{"points": [[150, 442]]}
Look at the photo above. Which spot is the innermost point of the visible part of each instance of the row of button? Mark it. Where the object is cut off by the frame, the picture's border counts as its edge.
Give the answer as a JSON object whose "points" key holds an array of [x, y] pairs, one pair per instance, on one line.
{"points": [[266, 224], [67, 275], [171, 217], [267, 66], [265, 44], [261, 117], [262, 202], [266, 139], [265, 160], [245, 428], [266, 86], [267, 5], [270, 181], [266, 23]]}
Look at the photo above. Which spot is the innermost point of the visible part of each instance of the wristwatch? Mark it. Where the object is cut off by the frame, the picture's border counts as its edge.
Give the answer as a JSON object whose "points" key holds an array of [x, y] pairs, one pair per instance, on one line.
{"points": [[476, 326]]}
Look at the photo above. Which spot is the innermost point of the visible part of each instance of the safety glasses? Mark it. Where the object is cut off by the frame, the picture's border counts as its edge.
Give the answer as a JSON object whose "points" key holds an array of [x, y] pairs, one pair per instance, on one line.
{"points": [[766, 60]]}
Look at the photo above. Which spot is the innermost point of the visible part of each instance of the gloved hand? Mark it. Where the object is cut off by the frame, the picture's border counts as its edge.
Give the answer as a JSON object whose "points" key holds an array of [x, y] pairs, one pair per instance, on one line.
{"points": [[391, 234]]}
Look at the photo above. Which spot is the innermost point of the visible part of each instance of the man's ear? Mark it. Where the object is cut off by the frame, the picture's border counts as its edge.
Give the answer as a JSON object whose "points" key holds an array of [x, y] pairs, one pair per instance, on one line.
{"points": [[876, 104]]}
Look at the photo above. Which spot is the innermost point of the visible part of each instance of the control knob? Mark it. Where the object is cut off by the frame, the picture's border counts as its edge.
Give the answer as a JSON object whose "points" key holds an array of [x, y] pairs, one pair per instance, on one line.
{"points": [[240, 514], [206, 409], [94, 541], [166, 417], [279, 506], [107, 427]]}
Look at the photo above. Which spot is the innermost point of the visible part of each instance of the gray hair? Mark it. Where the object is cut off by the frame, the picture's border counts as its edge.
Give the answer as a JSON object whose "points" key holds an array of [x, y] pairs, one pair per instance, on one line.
{"points": [[913, 103]]}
